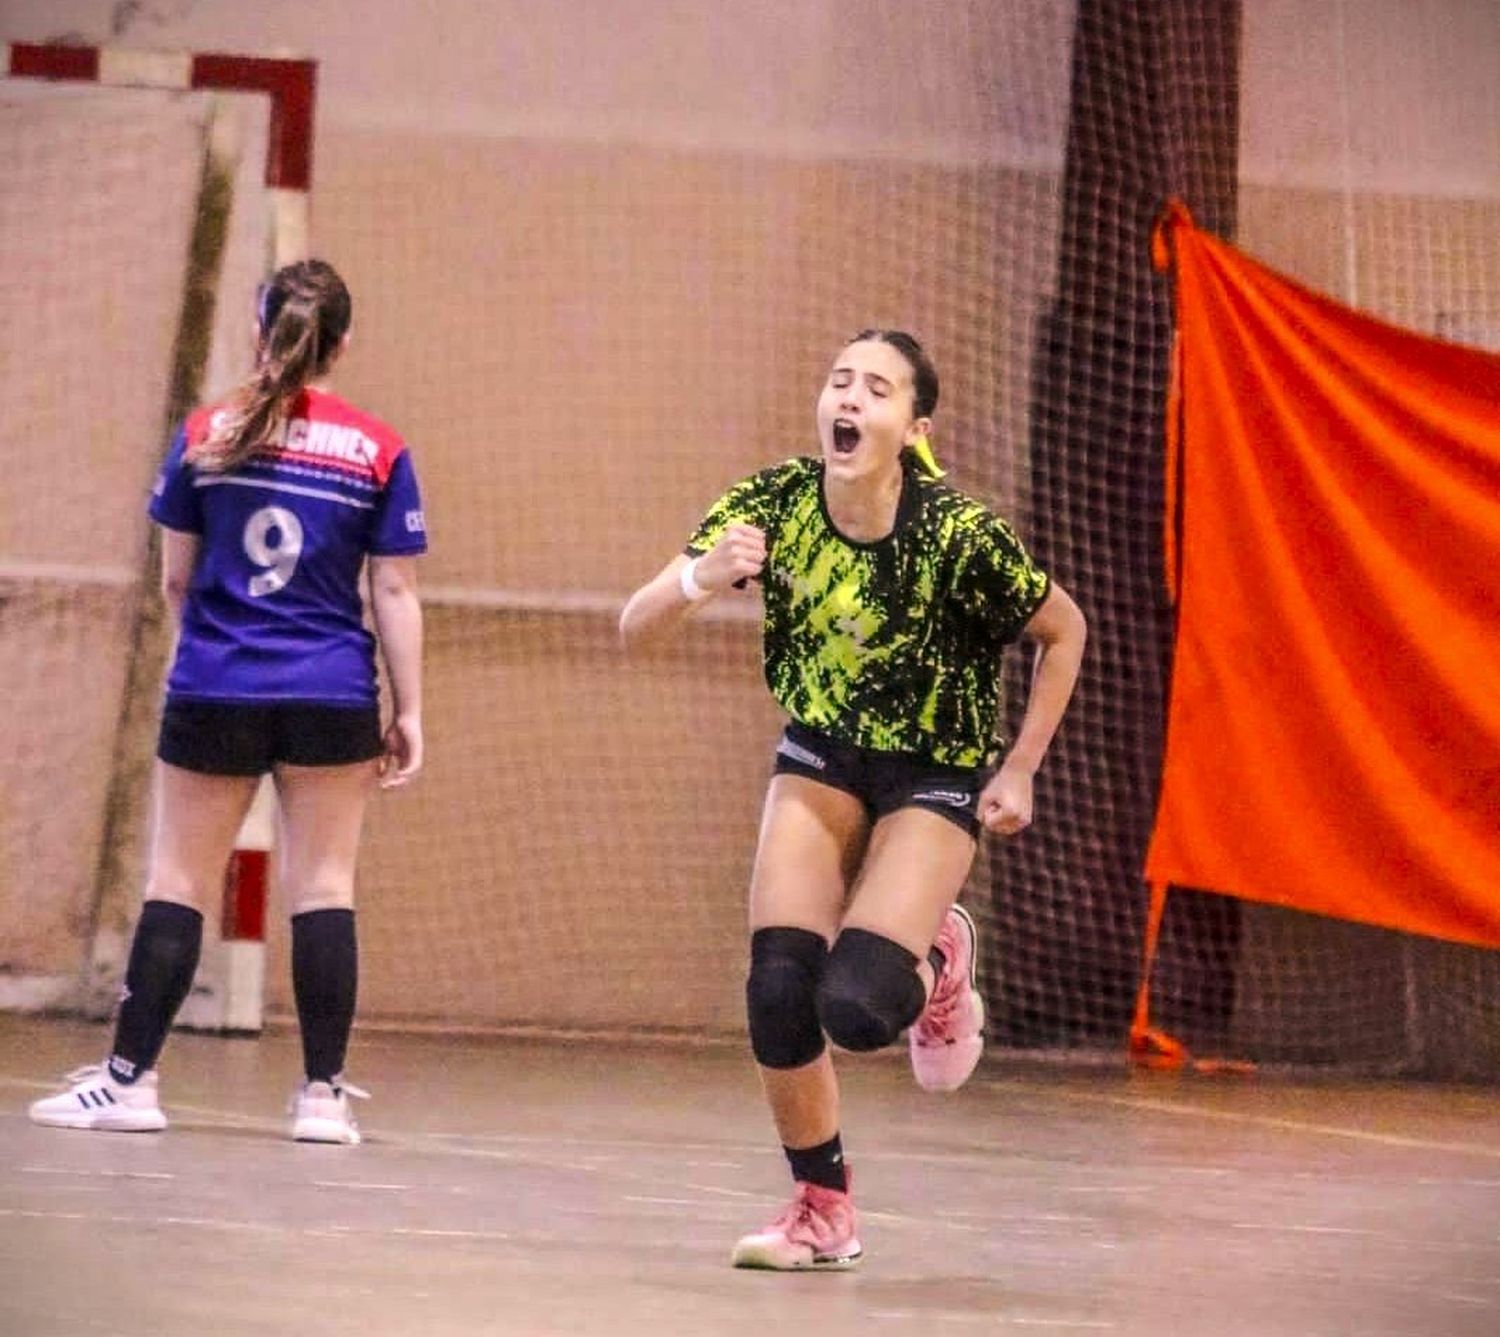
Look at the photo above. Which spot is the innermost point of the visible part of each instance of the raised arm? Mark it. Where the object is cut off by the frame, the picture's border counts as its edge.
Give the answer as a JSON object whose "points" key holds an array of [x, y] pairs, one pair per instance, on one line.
{"points": [[659, 605], [1059, 631]]}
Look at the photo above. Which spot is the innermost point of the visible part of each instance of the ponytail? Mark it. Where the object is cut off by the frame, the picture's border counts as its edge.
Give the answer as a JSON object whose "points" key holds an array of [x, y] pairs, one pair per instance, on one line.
{"points": [[921, 451], [304, 313]]}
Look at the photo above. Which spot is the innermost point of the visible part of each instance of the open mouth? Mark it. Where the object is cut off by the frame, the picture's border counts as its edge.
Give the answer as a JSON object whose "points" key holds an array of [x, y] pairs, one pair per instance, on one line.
{"points": [[845, 436]]}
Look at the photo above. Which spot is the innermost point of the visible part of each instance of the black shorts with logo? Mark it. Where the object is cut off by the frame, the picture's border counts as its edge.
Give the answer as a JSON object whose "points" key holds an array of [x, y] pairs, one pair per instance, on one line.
{"points": [[883, 781], [228, 738]]}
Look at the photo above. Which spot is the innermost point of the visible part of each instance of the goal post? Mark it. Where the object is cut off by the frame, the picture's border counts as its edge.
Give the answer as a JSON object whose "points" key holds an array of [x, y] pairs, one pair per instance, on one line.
{"points": [[240, 167], [289, 85]]}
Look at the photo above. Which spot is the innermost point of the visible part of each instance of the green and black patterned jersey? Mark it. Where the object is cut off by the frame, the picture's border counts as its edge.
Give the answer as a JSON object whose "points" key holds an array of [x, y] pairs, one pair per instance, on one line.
{"points": [[892, 645]]}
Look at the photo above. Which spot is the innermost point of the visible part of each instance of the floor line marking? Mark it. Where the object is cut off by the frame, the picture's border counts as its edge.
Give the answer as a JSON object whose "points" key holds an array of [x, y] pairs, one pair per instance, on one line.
{"points": [[1149, 1104], [253, 1227], [91, 1174], [356, 1184], [1159, 1106]]}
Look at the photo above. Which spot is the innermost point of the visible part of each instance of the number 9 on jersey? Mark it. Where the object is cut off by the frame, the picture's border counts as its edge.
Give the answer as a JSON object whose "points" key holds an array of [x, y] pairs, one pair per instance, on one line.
{"points": [[278, 557]]}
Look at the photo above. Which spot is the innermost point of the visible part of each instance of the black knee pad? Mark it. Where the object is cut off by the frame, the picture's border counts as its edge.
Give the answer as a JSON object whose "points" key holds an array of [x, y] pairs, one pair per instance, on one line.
{"points": [[781, 994], [870, 991]]}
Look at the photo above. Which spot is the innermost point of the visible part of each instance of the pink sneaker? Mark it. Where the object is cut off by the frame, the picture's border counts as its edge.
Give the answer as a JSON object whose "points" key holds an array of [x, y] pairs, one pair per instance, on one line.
{"points": [[815, 1232], [948, 1038]]}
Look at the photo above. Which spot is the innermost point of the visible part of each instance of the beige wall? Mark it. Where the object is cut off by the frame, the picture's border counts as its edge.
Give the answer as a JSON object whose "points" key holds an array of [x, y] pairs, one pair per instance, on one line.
{"points": [[587, 344], [1379, 248], [603, 337], [934, 81], [1395, 97], [1370, 155], [601, 252]]}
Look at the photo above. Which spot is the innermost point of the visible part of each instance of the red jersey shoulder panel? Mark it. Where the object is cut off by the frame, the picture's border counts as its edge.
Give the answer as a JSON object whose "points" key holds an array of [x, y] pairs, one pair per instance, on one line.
{"points": [[323, 406], [322, 429], [195, 428]]}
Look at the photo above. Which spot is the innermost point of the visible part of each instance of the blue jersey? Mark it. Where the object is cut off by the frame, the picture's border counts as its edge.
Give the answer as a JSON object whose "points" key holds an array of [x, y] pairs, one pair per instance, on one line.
{"points": [[273, 612]]}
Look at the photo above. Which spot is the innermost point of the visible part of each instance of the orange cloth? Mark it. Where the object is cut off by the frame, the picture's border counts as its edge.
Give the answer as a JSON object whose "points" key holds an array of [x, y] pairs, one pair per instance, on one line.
{"points": [[1333, 733]]}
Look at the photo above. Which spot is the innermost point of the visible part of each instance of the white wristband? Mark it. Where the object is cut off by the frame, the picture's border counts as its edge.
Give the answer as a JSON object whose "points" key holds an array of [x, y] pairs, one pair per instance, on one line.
{"points": [[692, 591]]}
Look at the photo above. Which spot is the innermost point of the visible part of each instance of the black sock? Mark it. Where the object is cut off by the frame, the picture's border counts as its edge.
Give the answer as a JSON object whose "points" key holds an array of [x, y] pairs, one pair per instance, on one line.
{"points": [[163, 959], [325, 978], [822, 1165]]}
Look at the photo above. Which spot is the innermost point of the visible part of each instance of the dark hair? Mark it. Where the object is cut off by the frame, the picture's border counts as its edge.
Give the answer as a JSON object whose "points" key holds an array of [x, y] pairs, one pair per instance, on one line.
{"points": [[303, 312], [924, 377]]}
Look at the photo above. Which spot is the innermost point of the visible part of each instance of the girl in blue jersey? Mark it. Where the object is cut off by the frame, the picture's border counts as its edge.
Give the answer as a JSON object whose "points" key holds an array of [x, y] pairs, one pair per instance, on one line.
{"points": [[272, 504], [888, 599]]}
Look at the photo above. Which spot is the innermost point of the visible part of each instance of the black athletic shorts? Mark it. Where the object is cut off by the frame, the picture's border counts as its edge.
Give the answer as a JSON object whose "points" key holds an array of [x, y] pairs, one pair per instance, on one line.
{"points": [[226, 738], [883, 781]]}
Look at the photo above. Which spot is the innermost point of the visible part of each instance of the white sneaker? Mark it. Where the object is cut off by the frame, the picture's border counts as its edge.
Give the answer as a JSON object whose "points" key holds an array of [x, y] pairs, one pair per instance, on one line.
{"points": [[321, 1113], [95, 1100]]}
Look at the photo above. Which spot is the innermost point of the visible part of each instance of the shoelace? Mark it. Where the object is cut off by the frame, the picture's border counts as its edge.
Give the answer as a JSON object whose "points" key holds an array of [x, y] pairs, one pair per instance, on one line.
{"points": [[338, 1087], [941, 1004], [90, 1072], [800, 1212]]}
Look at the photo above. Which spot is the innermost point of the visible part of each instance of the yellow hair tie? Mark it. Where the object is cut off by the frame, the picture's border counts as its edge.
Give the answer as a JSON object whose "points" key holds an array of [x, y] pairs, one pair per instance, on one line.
{"points": [[922, 449]]}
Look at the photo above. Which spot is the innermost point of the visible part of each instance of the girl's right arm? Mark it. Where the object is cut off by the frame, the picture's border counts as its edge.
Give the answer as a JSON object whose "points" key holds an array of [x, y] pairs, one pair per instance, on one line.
{"points": [[659, 605]]}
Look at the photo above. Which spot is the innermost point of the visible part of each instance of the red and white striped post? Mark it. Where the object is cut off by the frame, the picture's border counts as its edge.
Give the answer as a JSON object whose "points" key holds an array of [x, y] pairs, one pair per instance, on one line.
{"points": [[291, 86]]}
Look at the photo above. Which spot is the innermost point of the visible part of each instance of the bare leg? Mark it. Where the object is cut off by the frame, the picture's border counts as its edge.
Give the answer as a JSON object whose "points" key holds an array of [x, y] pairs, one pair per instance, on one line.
{"points": [[804, 1102], [322, 816], [811, 840], [194, 822], [914, 870]]}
